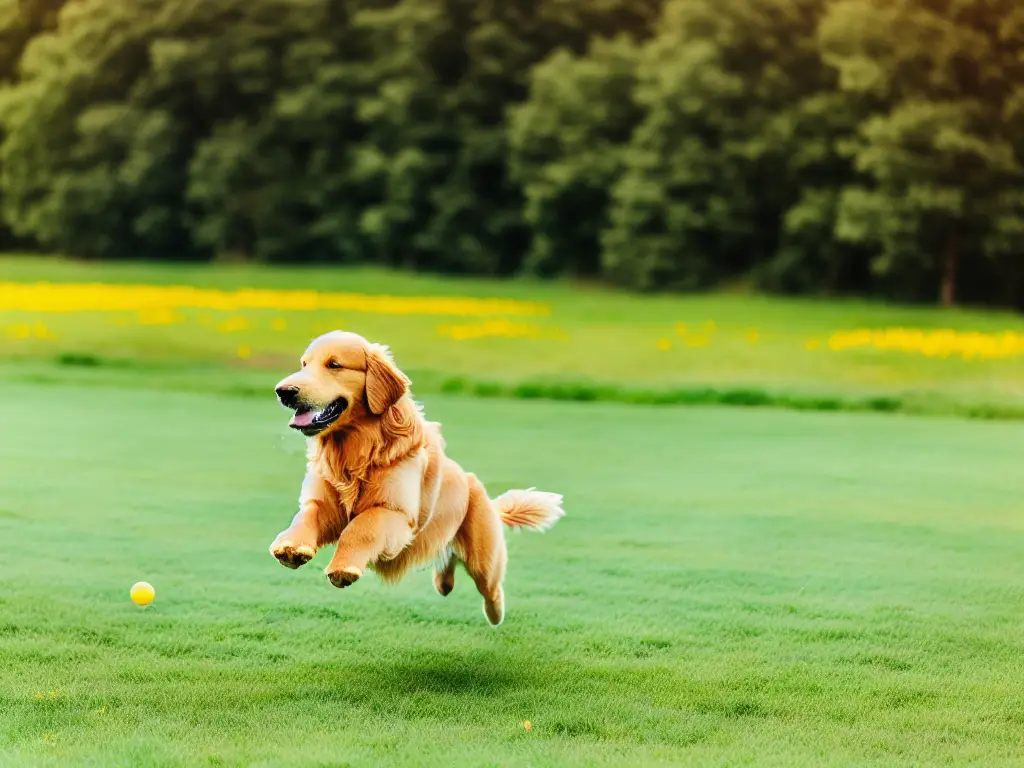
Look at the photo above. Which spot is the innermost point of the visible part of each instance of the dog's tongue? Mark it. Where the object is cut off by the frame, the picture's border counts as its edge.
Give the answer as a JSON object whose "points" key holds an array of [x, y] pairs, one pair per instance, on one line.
{"points": [[303, 419]]}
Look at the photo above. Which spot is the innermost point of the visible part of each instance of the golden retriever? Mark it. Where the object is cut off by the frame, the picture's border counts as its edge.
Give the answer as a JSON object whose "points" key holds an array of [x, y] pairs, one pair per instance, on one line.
{"points": [[379, 485]]}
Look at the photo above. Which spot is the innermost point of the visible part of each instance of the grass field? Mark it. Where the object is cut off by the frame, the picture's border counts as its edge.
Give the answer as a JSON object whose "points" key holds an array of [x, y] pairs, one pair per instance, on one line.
{"points": [[730, 586], [585, 343]]}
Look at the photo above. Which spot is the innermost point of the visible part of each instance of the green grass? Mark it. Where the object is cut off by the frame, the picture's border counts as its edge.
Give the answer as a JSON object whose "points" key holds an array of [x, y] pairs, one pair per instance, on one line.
{"points": [[609, 349], [729, 588]]}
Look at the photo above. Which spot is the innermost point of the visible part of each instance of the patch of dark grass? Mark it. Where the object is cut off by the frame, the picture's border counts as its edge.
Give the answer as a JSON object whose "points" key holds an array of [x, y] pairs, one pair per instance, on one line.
{"points": [[746, 397], [455, 386], [72, 359], [168, 376], [79, 359], [883, 404], [812, 403], [247, 390], [985, 412], [487, 389], [732, 707], [579, 728], [882, 660]]}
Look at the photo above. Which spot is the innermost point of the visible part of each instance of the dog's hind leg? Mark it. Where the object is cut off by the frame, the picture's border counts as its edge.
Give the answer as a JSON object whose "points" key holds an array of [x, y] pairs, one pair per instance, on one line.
{"points": [[480, 544], [444, 574]]}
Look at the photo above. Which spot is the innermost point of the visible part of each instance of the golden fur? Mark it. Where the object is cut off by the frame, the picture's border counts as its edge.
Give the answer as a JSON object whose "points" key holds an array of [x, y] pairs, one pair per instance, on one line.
{"points": [[379, 485]]}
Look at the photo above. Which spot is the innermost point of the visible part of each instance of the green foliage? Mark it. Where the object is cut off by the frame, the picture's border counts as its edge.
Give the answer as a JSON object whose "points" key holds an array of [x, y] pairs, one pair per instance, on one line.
{"points": [[733, 164], [565, 150], [193, 129], [807, 146], [20, 21], [937, 151]]}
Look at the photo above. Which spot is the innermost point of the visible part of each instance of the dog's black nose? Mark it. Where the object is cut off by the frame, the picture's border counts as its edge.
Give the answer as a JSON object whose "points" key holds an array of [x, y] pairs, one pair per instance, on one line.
{"points": [[289, 396]]}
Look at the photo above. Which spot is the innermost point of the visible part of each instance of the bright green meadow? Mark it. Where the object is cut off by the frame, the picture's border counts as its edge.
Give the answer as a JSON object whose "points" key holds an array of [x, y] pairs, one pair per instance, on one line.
{"points": [[593, 343], [730, 586]]}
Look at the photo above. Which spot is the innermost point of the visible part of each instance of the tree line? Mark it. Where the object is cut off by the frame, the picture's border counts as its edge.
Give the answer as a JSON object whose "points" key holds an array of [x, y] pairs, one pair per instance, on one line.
{"points": [[808, 146]]}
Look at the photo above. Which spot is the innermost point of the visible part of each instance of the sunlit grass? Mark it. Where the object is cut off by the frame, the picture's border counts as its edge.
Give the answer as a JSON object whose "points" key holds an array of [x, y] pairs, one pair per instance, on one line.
{"points": [[728, 588], [501, 335]]}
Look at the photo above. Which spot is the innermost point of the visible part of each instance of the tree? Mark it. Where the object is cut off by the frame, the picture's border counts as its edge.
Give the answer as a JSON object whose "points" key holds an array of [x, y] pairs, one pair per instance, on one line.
{"points": [[566, 149], [276, 178], [446, 74], [193, 129], [730, 90], [940, 169], [20, 21]]}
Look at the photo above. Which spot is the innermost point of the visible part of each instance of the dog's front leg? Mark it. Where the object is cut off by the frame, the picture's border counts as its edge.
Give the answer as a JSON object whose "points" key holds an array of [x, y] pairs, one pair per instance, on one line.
{"points": [[378, 533], [319, 521]]}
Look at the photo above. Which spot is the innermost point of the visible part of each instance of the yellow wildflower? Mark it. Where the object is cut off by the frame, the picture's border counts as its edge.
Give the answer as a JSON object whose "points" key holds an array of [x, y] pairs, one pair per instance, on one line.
{"points": [[499, 328], [159, 316], [81, 297], [944, 342], [20, 331], [233, 324]]}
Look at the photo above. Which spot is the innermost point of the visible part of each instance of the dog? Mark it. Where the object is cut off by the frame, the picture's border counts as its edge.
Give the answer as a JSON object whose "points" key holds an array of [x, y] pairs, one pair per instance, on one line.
{"points": [[379, 485]]}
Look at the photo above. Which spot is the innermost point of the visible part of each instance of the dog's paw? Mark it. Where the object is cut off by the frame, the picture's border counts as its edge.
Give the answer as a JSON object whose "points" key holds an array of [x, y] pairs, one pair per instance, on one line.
{"points": [[494, 608], [292, 555], [344, 577], [444, 582]]}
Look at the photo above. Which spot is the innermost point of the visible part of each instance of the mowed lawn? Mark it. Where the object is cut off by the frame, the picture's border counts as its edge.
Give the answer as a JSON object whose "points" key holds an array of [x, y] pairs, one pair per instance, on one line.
{"points": [[728, 588]]}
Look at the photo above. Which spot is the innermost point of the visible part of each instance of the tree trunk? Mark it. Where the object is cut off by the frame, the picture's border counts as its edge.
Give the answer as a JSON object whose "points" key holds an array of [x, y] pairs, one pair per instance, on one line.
{"points": [[947, 293]]}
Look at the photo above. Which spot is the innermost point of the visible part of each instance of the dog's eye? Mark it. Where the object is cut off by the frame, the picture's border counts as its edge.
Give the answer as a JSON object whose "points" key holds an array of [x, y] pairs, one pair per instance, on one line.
{"points": [[334, 365]]}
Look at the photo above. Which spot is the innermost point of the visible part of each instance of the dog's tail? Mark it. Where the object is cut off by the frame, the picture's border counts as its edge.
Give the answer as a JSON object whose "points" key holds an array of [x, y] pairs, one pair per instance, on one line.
{"points": [[531, 508]]}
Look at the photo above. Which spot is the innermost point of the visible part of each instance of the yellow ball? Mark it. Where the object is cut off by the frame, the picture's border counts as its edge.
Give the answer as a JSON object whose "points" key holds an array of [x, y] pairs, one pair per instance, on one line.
{"points": [[143, 593]]}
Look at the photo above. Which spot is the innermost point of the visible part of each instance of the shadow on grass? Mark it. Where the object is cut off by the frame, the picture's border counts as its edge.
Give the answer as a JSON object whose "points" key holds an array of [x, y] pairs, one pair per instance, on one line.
{"points": [[447, 673]]}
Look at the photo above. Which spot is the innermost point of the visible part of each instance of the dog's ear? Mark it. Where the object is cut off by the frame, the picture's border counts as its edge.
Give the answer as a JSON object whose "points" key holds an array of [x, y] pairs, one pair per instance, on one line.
{"points": [[385, 384]]}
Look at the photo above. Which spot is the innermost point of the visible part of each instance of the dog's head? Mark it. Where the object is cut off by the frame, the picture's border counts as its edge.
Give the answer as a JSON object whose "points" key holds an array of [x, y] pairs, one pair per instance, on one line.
{"points": [[343, 378]]}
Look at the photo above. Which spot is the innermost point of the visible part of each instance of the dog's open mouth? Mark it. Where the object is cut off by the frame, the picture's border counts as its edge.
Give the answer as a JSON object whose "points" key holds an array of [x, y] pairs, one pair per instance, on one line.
{"points": [[312, 422]]}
